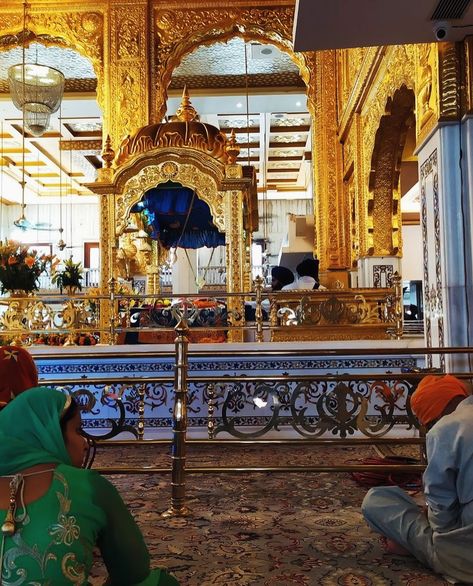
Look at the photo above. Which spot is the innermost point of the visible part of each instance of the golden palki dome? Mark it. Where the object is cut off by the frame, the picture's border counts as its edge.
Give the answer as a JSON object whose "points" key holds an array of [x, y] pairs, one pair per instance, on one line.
{"points": [[184, 130]]}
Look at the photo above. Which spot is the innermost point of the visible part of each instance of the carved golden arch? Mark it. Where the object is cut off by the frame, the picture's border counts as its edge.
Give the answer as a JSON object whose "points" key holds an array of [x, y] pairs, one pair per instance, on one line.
{"points": [[82, 31], [383, 202], [220, 26], [222, 186], [199, 172], [401, 63]]}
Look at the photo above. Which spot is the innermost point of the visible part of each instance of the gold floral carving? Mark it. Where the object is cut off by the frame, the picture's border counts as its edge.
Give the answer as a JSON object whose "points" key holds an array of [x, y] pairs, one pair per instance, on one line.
{"points": [[426, 94], [350, 67], [367, 61], [359, 185], [383, 216], [192, 134], [76, 27], [128, 39], [449, 81], [81, 145], [348, 153], [10, 24], [329, 206], [468, 69], [235, 250], [107, 262], [179, 32], [129, 77]]}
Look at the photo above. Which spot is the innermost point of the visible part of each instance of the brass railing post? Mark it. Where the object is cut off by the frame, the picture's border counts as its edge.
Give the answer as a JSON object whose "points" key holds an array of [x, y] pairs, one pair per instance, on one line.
{"points": [[179, 424], [112, 285], [258, 284], [141, 411], [211, 411], [273, 315], [398, 309]]}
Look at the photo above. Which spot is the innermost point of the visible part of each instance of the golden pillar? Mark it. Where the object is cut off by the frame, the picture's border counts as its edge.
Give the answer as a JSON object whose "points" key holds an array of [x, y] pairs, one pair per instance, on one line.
{"points": [[127, 97], [331, 243], [235, 250]]}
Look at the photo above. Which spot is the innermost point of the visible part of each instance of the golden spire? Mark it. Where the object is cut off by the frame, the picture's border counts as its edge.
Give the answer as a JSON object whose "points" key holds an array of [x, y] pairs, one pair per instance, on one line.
{"points": [[186, 111], [108, 154], [231, 147]]}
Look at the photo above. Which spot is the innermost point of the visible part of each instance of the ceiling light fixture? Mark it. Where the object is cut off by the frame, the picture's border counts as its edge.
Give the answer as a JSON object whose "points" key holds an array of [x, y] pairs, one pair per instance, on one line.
{"points": [[61, 244], [35, 89], [239, 105]]}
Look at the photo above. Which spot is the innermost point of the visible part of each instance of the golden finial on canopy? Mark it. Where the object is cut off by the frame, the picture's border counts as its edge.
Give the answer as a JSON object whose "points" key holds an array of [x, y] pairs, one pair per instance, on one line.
{"points": [[108, 154], [231, 148], [186, 111]]}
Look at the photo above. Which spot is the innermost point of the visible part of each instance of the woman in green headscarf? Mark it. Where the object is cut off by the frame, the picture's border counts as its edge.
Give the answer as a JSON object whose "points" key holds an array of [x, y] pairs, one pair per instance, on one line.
{"points": [[52, 512]]}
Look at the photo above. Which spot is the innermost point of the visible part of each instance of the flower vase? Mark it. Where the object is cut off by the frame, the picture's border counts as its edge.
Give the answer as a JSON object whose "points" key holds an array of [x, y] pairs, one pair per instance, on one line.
{"points": [[21, 296], [71, 290]]}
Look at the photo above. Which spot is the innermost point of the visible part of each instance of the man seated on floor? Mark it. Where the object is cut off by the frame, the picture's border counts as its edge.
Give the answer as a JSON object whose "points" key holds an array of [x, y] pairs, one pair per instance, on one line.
{"points": [[439, 535]]}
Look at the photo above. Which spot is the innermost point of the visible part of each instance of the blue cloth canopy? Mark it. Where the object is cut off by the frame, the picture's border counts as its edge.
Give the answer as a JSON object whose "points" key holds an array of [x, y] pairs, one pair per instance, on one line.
{"points": [[178, 218]]}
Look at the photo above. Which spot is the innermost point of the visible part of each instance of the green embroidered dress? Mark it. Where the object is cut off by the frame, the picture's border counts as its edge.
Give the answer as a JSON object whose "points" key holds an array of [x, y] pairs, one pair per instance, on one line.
{"points": [[53, 543]]}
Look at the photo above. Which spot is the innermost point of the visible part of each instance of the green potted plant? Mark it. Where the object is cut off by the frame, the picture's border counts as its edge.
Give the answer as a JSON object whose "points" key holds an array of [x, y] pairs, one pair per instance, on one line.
{"points": [[68, 277]]}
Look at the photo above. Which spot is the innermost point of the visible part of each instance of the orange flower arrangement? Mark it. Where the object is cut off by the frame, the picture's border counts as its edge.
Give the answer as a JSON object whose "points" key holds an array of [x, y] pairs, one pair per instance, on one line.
{"points": [[21, 267]]}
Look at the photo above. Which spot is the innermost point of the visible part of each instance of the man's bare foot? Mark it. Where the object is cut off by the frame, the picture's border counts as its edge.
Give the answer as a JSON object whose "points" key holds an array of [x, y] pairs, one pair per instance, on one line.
{"points": [[394, 548]]}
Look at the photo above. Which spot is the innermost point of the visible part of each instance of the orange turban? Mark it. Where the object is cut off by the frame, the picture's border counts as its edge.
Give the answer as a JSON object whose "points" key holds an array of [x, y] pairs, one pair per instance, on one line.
{"points": [[433, 394], [17, 372]]}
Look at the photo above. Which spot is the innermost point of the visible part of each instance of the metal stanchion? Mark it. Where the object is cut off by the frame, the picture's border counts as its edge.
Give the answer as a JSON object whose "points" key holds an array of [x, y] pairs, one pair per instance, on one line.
{"points": [[211, 410], [179, 425], [398, 309], [141, 411], [259, 311], [112, 288]]}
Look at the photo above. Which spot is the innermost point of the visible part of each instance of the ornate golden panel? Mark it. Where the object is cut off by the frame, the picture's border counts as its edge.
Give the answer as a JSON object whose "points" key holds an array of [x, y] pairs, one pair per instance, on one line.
{"points": [[179, 31], [449, 81], [383, 234], [78, 26], [350, 63], [468, 55], [329, 203], [235, 250], [129, 77], [427, 104], [368, 60]]}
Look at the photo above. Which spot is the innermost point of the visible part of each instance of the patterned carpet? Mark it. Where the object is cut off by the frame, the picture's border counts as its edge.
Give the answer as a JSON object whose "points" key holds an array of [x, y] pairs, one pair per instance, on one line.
{"points": [[271, 529]]}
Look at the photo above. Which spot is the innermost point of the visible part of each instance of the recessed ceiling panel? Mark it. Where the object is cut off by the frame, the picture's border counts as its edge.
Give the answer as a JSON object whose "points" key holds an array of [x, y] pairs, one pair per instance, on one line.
{"points": [[338, 24]]}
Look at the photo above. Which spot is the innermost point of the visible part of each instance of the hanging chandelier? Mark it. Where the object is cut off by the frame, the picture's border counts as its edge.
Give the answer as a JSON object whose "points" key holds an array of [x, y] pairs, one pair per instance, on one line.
{"points": [[35, 89]]}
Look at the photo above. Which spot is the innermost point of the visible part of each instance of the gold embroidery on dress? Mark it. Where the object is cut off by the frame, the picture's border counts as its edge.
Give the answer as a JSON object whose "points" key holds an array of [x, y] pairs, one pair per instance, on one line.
{"points": [[65, 531]]}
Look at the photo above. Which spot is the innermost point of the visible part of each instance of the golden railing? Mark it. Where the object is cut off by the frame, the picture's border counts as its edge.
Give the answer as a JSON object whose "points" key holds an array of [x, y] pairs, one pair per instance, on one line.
{"points": [[343, 410], [296, 315]]}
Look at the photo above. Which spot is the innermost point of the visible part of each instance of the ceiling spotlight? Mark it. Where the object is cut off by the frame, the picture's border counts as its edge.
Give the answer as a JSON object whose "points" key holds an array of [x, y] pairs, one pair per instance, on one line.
{"points": [[298, 103], [239, 105]]}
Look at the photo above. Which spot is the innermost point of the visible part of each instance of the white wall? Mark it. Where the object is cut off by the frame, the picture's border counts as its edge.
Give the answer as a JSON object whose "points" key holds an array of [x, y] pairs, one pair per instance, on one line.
{"points": [[412, 263], [276, 211], [80, 222]]}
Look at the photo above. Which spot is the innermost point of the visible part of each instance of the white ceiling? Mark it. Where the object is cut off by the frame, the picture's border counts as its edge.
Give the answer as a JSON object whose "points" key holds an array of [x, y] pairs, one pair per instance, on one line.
{"points": [[337, 24], [271, 122]]}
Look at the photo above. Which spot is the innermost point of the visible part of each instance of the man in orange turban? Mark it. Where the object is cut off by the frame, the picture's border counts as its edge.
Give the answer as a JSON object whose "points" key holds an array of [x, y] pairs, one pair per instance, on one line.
{"points": [[437, 396], [441, 534], [17, 372]]}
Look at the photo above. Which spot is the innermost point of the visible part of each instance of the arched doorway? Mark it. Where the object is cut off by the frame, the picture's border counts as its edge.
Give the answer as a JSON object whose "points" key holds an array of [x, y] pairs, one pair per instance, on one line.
{"points": [[384, 212], [57, 163], [256, 89]]}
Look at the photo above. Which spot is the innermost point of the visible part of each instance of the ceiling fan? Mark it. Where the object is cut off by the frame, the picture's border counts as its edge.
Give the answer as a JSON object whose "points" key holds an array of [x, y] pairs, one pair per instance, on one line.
{"points": [[24, 224]]}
